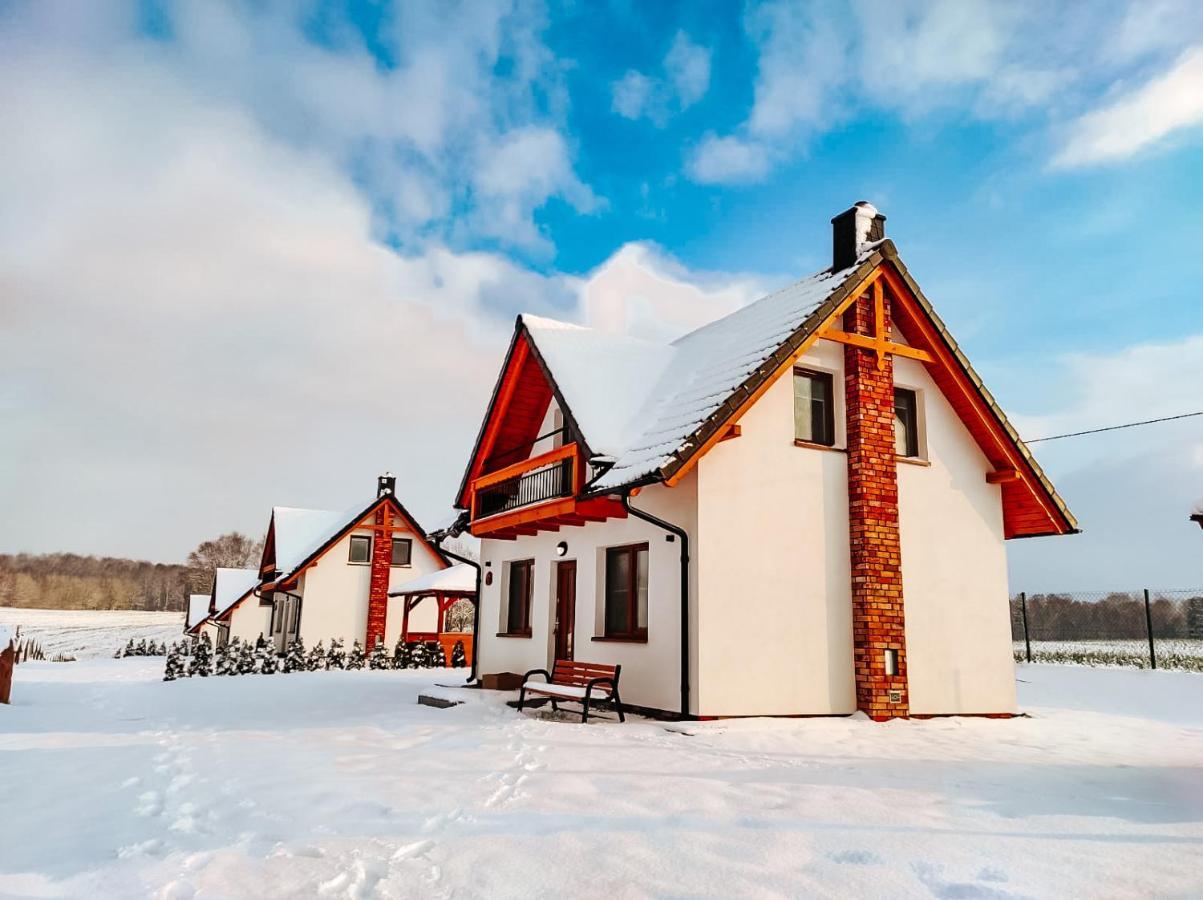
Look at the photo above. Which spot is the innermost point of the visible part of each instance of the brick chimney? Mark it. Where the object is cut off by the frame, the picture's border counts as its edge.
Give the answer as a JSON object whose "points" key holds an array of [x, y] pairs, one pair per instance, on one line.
{"points": [[852, 229], [878, 622]]}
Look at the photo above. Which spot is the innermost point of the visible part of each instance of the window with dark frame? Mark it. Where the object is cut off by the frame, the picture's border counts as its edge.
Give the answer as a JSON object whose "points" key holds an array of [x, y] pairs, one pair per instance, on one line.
{"points": [[517, 619], [361, 550], [626, 592], [814, 407], [906, 423], [402, 551]]}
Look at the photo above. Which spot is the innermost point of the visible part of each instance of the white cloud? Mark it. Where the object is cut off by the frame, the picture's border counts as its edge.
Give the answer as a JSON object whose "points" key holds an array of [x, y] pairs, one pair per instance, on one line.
{"points": [[685, 81], [1139, 118], [728, 160]]}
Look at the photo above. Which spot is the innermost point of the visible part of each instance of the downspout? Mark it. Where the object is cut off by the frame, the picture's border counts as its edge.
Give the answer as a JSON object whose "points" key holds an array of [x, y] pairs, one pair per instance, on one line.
{"points": [[684, 536], [439, 537]]}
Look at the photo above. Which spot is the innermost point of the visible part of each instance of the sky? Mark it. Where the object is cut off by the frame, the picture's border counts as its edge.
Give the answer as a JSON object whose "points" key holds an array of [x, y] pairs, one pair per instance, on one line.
{"points": [[256, 253]]}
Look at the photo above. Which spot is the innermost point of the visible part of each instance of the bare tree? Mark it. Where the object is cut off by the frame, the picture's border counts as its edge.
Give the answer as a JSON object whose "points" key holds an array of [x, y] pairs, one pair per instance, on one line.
{"points": [[230, 551]]}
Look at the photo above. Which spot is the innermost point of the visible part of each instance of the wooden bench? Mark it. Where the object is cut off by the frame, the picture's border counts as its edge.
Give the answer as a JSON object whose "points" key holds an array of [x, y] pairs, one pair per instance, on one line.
{"points": [[575, 682]]}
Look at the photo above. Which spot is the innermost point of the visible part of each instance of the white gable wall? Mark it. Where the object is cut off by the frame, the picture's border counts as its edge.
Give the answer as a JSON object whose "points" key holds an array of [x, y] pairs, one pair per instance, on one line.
{"points": [[650, 671], [775, 594], [954, 566], [249, 620], [335, 594]]}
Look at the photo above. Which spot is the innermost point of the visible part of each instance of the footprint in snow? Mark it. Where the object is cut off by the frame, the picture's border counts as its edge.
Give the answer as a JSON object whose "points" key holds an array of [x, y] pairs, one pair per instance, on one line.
{"points": [[149, 804], [855, 857]]}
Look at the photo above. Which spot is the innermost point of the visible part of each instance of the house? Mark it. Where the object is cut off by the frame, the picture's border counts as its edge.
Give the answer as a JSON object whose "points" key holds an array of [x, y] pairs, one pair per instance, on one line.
{"points": [[236, 609], [197, 619], [328, 574], [798, 509]]}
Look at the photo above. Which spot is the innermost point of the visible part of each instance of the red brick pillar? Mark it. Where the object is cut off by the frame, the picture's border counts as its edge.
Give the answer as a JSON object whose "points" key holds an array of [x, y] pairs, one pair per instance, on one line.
{"points": [[382, 554], [877, 614]]}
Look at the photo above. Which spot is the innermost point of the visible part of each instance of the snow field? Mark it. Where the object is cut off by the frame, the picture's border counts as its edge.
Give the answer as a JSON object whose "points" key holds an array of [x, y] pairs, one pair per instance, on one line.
{"points": [[340, 785], [92, 633], [1172, 653]]}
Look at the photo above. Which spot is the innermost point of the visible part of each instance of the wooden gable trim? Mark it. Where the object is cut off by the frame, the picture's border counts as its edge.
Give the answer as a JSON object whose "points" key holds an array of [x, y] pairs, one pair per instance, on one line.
{"points": [[522, 347], [978, 410], [290, 579], [267, 562]]}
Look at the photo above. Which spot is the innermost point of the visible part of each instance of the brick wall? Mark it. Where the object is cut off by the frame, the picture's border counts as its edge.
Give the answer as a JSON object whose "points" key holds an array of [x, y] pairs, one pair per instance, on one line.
{"points": [[877, 613], [382, 552]]}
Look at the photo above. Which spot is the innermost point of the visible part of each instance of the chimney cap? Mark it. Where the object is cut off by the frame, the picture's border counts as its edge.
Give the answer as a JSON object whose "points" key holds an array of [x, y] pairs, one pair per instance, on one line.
{"points": [[860, 224]]}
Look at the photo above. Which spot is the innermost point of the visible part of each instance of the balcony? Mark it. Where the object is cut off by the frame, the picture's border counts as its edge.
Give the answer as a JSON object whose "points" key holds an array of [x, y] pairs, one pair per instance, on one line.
{"points": [[536, 494]]}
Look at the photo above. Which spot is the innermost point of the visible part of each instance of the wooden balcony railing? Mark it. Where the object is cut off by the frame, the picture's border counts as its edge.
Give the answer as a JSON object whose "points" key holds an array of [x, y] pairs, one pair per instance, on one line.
{"points": [[554, 475]]}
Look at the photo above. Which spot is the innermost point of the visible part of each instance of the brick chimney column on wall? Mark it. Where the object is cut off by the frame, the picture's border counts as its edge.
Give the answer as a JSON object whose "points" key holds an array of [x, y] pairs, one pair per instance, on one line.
{"points": [[382, 554], [878, 624]]}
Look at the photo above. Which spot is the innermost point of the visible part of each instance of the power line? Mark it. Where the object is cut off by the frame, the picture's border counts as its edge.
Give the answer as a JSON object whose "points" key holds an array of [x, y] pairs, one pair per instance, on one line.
{"points": [[1057, 437]]}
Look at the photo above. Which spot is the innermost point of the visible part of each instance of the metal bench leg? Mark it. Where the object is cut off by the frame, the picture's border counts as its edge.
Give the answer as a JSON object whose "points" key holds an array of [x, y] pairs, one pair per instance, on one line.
{"points": [[554, 706], [585, 710], [521, 698], [618, 706]]}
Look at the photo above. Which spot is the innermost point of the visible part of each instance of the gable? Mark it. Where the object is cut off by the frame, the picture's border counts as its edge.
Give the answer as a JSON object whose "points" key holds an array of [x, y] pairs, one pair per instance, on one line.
{"points": [[1031, 506]]}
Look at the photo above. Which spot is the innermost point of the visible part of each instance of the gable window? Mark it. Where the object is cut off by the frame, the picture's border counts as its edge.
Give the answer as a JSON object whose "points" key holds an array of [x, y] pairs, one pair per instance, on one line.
{"points": [[906, 423], [518, 596], [814, 407], [361, 550], [626, 592], [402, 551]]}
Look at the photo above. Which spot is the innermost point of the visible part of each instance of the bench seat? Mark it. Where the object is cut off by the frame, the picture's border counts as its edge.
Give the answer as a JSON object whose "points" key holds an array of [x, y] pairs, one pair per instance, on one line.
{"points": [[565, 690], [575, 682]]}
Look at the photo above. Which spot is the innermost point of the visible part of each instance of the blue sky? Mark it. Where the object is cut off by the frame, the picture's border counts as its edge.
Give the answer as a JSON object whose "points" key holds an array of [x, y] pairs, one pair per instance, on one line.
{"points": [[257, 251]]}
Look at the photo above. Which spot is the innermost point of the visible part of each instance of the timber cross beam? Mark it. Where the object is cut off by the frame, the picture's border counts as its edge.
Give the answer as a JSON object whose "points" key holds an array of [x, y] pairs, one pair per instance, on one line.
{"points": [[879, 341]]}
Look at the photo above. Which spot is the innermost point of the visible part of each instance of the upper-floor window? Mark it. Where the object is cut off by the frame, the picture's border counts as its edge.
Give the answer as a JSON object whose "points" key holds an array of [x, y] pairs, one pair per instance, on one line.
{"points": [[814, 407], [518, 596], [402, 551], [626, 592], [906, 422], [361, 550]]}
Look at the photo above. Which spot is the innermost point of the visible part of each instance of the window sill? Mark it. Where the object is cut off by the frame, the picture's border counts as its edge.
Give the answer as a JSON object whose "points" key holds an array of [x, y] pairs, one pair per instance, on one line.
{"points": [[514, 634], [810, 445], [620, 640], [913, 461], [351, 562], [400, 565]]}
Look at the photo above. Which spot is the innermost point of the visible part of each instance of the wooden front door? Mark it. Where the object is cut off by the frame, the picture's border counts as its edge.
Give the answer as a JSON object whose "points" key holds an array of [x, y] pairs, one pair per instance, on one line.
{"points": [[565, 608]]}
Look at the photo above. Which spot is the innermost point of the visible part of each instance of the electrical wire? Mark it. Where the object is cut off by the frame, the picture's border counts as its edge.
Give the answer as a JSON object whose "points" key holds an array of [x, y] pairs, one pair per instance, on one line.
{"points": [[1057, 437]]}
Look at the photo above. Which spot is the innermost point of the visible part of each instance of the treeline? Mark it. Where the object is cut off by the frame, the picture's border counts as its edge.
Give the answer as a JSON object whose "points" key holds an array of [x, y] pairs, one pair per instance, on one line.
{"points": [[1114, 616], [69, 581]]}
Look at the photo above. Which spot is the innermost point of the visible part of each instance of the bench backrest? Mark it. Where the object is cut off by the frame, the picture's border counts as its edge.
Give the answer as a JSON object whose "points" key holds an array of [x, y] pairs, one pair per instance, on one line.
{"points": [[578, 674]]}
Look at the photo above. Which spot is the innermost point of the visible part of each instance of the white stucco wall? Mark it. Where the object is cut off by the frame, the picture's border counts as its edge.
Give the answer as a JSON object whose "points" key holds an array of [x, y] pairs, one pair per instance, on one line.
{"points": [[249, 620], [775, 633], [335, 594], [954, 567], [650, 671]]}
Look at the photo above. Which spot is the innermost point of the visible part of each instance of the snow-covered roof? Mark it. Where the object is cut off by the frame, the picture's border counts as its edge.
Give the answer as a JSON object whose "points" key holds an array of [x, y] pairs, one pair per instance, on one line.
{"points": [[460, 579], [638, 402], [1197, 509], [198, 609], [299, 533], [231, 585]]}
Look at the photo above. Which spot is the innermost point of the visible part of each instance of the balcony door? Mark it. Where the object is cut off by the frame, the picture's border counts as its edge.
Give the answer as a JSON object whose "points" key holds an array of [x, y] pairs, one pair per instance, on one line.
{"points": [[565, 622]]}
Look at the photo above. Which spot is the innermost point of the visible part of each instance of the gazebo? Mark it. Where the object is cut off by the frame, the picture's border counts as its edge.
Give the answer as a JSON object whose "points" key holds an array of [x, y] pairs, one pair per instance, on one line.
{"points": [[447, 586]]}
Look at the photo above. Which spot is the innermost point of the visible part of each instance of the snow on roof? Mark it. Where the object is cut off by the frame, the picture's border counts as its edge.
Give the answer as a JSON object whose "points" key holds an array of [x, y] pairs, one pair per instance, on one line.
{"points": [[198, 609], [231, 585], [301, 532], [639, 402], [460, 578]]}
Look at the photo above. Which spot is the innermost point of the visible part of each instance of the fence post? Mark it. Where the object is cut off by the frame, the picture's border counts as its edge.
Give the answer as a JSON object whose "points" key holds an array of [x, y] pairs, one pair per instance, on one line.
{"points": [[1149, 631], [1027, 640]]}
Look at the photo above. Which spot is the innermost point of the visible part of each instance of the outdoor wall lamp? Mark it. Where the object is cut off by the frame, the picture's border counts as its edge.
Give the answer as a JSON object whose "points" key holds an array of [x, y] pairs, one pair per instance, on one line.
{"points": [[561, 548]]}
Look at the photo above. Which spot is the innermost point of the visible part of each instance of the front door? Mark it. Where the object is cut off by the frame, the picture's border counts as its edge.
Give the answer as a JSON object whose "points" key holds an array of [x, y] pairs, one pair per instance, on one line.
{"points": [[565, 607]]}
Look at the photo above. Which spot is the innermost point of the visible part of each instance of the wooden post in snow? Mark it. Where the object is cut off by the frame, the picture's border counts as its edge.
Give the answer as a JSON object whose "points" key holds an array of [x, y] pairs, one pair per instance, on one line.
{"points": [[8, 657]]}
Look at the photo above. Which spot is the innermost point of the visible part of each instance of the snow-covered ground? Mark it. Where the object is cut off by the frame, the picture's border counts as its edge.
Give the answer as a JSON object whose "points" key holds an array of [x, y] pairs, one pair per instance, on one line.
{"points": [[90, 633], [338, 784], [1172, 653]]}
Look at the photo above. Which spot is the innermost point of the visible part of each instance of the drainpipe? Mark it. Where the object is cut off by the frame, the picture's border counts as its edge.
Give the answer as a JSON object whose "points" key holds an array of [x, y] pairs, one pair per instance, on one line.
{"points": [[439, 537], [684, 537]]}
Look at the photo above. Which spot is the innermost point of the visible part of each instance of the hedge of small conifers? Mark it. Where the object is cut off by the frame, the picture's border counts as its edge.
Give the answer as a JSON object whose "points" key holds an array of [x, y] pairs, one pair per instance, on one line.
{"points": [[238, 657]]}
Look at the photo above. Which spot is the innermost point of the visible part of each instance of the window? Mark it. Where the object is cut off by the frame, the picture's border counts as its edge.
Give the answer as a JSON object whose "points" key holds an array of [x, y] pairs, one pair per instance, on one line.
{"points": [[814, 408], [906, 423], [626, 592], [361, 550], [402, 548], [517, 619]]}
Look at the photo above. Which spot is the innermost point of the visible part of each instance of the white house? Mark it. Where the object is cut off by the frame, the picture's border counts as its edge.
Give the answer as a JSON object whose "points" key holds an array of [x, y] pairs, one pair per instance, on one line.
{"points": [[798, 509], [328, 574], [197, 620], [237, 609]]}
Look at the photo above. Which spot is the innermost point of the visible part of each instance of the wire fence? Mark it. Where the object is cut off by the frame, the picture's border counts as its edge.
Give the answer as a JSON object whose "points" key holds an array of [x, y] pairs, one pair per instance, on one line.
{"points": [[1146, 628]]}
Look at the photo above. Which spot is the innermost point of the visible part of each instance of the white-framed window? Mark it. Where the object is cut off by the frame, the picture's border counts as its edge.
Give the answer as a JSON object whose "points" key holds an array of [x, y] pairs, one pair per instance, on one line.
{"points": [[402, 552], [814, 406], [908, 423]]}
